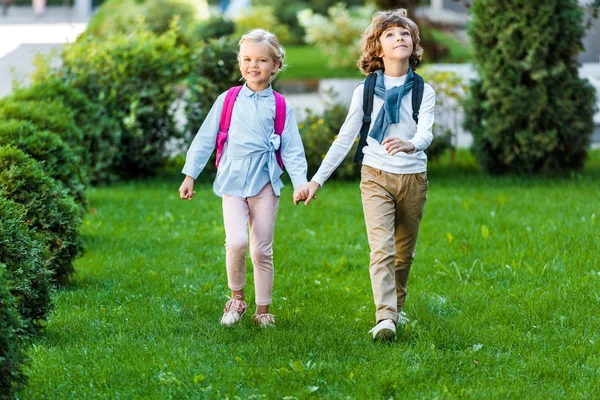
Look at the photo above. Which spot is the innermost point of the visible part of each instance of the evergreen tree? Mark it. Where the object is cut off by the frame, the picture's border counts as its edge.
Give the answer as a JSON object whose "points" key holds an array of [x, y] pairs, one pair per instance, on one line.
{"points": [[529, 111]]}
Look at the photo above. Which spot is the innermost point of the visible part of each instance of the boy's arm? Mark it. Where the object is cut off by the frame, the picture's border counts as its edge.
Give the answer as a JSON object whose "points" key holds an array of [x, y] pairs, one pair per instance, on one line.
{"points": [[424, 135], [292, 150], [204, 143], [345, 139]]}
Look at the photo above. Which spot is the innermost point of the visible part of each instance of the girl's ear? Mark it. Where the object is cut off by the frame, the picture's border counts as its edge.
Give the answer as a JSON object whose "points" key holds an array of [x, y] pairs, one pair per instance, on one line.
{"points": [[277, 68]]}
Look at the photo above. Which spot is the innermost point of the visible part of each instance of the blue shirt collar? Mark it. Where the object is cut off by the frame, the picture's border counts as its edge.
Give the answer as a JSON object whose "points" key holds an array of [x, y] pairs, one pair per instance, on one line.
{"points": [[263, 93]]}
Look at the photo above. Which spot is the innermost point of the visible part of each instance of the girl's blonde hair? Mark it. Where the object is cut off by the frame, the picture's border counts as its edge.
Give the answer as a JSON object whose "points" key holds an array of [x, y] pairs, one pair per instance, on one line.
{"points": [[260, 36], [370, 61]]}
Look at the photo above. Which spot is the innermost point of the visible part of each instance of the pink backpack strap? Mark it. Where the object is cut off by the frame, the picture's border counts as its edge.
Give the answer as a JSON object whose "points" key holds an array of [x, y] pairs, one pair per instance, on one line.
{"points": [[226, 120], [280, 111]]}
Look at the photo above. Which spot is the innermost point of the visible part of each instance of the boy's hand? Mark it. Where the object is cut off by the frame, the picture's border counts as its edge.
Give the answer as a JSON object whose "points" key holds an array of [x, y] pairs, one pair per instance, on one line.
{"points": [[312, 189], [186, 190], [396, 145]]}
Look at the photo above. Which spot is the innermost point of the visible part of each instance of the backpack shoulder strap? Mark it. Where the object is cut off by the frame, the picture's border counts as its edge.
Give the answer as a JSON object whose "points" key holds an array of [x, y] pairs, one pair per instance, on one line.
{"points": [[280, 111], [225, 121], [368, 94], [417, 96]]}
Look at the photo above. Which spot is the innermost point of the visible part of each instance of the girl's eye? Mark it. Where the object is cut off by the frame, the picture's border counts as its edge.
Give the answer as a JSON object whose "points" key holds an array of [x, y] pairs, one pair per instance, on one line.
{"points": [[389, 34]]}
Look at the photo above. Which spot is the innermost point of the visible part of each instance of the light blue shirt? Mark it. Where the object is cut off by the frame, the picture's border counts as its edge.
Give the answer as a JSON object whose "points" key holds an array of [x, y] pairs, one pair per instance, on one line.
{"points": [[248, 162]]}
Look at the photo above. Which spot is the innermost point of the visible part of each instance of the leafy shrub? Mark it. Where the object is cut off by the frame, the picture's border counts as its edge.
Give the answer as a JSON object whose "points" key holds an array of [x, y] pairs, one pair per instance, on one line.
{"points": [[121, 16], [529, 111], [134, 78], [46, 115], [58, 159], [213, 28], [287, 13], [213, 70], [337, 35], [101, 133], [26, 261], [12, 356], [318, 133], [49, 210], [261, 17]]}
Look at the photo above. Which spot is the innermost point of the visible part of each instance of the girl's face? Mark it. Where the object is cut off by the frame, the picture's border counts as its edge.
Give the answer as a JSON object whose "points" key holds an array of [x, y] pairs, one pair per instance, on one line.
{"points": [[257, 66], [396, 44]]}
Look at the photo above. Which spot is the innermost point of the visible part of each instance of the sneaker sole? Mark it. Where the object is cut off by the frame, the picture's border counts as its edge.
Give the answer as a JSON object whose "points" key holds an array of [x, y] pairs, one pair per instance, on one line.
{"points": [[385, 334]]}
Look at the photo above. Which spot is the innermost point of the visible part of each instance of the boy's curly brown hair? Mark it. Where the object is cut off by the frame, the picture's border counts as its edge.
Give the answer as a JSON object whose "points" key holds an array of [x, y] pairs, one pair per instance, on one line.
{"points": [[370, 61]]}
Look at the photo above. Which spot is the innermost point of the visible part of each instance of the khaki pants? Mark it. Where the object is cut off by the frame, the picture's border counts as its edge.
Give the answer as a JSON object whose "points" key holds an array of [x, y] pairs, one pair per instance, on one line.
{"points": [[393, 206]]}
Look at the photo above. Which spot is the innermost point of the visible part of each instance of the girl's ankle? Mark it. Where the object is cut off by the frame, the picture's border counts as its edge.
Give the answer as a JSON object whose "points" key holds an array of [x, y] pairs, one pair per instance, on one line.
{"points": [[238, 295], [262, 309]]}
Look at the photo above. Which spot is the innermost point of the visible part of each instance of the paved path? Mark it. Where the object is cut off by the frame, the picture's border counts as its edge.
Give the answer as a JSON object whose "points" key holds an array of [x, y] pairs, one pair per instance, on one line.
{"points": [[22, 36]]}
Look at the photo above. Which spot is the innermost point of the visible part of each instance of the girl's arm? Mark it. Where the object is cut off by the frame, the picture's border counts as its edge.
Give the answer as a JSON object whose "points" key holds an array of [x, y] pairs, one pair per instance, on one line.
{"points": [[292, 150], [345, 139], [204, 143]]}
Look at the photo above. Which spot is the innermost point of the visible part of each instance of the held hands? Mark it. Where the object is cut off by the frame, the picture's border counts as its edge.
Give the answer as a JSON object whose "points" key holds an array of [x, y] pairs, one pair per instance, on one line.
{"points": [[306, 193], [186, 190], [396, 145]]}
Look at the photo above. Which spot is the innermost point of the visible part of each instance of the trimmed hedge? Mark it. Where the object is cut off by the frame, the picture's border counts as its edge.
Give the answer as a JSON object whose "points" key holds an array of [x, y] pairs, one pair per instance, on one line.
{"points": [[133, 77], [12, 356], [101, 133], [57, 157], [50, 116], [529, 112], [49, 210], [27, 263]]}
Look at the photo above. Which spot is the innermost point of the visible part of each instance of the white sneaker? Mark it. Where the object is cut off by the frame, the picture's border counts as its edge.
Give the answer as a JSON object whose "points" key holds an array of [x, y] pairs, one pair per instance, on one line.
{"points": [[234, 310], [384, 330]]}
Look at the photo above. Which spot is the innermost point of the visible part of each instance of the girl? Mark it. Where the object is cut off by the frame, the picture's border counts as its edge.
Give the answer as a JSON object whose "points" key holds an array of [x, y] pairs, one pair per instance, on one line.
{"points": [[249, 174], [393, 176]]}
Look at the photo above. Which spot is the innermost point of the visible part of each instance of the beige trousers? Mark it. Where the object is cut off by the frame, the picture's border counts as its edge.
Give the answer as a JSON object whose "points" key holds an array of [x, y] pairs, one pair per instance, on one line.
{"points": [[393, 206]]}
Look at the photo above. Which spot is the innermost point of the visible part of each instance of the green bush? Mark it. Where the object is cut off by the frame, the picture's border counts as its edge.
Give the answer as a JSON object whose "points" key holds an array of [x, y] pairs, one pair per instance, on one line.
{"points": [[49, 211], [22, 252], [337, 35], [318, 133], [261, 17], [213, 28], [46, 115], [529, 111], [134, 78], [213, 70], [12, 357], [101, 133], [287, 13], [59, 161], [121, 16]]}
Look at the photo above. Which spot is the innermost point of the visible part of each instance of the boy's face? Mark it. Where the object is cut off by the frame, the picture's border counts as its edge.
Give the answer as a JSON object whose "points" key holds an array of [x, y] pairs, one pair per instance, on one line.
{"points": [[257, 66], [396, 44]]}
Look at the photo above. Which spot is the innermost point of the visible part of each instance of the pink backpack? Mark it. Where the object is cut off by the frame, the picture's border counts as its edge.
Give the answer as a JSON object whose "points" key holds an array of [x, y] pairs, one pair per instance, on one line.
{"points": [[226, 120]]}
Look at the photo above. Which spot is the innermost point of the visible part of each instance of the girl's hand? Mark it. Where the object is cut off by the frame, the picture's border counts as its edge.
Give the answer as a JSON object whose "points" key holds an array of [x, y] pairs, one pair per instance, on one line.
{"points": [[186, 190], [396, 145], [300, 194], [312, 190]]}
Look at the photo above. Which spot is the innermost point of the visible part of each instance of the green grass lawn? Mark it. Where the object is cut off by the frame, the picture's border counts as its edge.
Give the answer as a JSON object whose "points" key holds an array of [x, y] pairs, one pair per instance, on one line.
{"points": [[503, 298], [307, 62]]}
